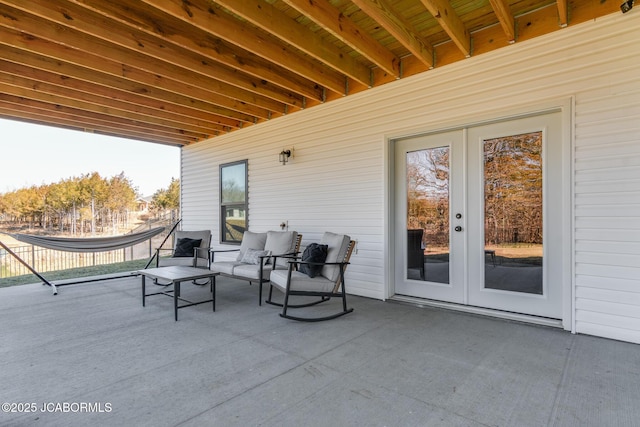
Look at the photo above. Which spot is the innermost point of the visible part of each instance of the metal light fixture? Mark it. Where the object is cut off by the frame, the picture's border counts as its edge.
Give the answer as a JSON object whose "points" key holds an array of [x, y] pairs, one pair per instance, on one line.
{"points": [[626, 6], [284, 156]]}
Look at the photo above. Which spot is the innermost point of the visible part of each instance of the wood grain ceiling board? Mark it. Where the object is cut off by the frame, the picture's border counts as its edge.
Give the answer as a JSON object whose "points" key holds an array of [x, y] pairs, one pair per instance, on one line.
{"points": [[180, 71]]}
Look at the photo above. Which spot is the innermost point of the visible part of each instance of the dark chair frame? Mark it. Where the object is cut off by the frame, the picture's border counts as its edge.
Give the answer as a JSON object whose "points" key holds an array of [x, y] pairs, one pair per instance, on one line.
{"points": [[338, 291], [415, 252]]}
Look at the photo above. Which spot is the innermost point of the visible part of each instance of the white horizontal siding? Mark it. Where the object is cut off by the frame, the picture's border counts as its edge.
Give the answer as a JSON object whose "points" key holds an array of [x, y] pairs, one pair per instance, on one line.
{"points": [[592, 245], [607, 283], [627, 300], [607, 197], [337, 178]]}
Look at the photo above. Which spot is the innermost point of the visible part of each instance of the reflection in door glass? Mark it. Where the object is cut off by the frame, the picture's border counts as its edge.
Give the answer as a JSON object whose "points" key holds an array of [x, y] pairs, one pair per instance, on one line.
{"points": [[513, 213], [428, 215]]}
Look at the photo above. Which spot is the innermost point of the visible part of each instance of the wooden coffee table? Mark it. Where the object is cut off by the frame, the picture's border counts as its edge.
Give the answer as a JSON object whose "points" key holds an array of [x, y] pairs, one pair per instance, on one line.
{"points": [[177, 275]]}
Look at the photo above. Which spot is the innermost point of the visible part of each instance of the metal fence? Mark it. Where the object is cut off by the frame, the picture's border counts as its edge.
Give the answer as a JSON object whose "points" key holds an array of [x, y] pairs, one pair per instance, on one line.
{"points": [[44, 260]]}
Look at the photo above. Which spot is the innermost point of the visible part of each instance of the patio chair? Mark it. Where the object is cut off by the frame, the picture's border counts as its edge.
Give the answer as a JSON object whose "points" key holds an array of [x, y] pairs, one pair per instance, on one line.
{"points": [[310, 277], [258, 255], [191, 249]]}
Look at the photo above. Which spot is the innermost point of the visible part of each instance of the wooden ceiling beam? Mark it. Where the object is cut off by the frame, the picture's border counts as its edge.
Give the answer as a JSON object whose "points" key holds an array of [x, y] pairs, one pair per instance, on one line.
{"points": [[181, 71], [82, 126], [113, 97], [44, 107], [451, 23], [204, 15], [101, 64], [382, 13], [505, 17], [201, 43], [563, 13], [269, 19], [71, 118], [245, 88], [344, 29], [90, 33], [44, 92], [164, 104]]}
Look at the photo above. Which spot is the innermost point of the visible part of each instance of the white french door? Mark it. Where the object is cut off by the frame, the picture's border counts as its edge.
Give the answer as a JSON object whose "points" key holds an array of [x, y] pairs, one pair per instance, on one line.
{"points": [[430, 256], [479, 216]]}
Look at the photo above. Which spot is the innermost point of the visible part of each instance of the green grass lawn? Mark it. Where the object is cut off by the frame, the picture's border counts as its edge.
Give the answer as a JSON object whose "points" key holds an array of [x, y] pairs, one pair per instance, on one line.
{"points": [[75, 273]]}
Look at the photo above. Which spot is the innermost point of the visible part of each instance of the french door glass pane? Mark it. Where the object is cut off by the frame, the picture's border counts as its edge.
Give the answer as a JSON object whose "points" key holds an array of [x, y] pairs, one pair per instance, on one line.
{"points": [[513, 213], [428, 214]]}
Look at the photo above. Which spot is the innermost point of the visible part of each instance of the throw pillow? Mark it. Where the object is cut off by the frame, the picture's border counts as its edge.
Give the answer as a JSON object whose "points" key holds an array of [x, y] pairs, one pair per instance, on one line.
{"points": [[315, 252], [251, 240], [252, 256], [185, 247]]}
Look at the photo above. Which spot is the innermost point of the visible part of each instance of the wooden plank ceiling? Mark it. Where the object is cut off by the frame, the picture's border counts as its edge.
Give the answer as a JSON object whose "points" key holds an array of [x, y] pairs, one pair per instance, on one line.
{"points": [[181, 71]]}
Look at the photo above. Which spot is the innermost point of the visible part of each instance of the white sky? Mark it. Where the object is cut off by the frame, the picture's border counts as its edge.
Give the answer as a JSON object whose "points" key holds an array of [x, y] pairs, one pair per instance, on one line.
{"points": [[35, 155]]}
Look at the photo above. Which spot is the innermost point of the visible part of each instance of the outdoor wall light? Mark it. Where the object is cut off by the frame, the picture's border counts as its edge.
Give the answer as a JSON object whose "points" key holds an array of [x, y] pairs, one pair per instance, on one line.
{"points": [[626, 6], [284, 156]]}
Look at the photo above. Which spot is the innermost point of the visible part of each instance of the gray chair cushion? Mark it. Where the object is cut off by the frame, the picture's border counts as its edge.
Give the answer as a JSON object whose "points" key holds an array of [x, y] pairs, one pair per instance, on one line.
{"points": [[252, 271], [338, 246], [251, 240], [280, 242], [301, 282], [224, 267]]}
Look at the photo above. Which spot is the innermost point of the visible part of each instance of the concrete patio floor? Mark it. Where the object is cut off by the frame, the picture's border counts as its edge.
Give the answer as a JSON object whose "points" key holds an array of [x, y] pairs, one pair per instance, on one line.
{"points": [[386, 364]]}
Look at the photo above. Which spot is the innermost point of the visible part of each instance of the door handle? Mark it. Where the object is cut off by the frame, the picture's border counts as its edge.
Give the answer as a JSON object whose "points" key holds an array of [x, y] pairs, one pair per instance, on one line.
{"points": [[458, 228]]}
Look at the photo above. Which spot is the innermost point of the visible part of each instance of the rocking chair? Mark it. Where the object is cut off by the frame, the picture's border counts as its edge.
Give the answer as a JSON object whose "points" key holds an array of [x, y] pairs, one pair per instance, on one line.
{"points": [[326, 283]]}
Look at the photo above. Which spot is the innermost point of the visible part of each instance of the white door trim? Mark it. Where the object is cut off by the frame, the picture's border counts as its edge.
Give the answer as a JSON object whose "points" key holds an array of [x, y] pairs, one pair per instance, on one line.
{"points": [[566, 108]]}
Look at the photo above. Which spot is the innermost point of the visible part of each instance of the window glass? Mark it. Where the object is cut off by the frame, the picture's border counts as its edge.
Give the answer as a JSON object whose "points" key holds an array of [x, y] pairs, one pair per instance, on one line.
{"points": [[513, 207], [428, 214], [234, 183], [233, 201]]}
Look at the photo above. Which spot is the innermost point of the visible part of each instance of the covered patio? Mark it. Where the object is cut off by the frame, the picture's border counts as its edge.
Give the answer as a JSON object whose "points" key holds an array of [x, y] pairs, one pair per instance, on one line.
{"points": [[386, 364], [246, 82], [319, 100]]}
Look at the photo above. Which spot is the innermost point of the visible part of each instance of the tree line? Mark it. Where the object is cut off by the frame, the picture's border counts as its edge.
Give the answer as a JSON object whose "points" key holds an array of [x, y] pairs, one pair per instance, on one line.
{"points": [[428, 194], [87, 204], [512, 191]]}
